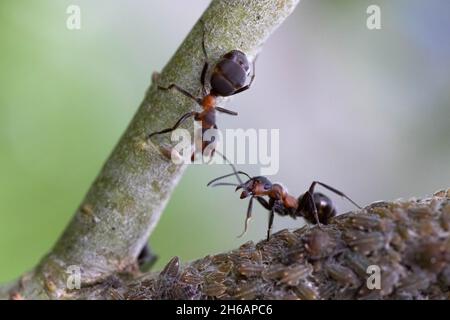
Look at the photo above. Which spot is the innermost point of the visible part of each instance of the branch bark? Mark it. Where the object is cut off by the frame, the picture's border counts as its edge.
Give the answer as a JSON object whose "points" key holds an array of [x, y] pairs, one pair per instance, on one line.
{"points": [[127, 198]]}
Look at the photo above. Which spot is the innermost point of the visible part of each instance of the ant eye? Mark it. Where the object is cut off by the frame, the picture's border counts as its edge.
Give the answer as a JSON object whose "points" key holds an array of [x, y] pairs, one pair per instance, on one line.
{"points": [[267, 186]]}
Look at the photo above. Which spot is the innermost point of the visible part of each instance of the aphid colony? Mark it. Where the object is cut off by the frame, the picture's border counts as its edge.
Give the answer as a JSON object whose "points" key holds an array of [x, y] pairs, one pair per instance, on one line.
{"points": [[325, 263]]}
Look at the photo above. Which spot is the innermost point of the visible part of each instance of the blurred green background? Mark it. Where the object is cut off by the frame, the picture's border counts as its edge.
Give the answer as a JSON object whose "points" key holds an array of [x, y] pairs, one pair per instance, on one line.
{"points": [[366, 111]]}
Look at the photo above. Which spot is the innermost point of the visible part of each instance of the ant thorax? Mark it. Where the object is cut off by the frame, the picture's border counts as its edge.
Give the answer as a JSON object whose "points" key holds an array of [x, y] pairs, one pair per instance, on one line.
{"points": [[281, 185], [281, 193], [209, 101], [278, 191]]}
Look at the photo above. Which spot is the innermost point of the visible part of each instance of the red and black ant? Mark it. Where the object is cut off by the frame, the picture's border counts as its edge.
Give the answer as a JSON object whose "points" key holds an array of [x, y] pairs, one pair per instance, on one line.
{"points": [[229, 77], [314, 207]]}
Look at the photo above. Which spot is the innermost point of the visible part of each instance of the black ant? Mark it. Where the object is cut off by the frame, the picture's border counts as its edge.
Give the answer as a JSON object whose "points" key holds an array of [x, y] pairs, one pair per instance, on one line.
{"points": [[228, 78], [146, 258], [314, 207]]}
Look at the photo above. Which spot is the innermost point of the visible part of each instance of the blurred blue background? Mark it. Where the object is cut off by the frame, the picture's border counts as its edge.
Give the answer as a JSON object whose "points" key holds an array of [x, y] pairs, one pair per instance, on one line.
{"points": [[365, 111]]}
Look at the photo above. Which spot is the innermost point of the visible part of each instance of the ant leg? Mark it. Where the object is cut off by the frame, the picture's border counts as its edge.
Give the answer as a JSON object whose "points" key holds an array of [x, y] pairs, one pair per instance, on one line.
{"points": [[340, 193], [206, 65], [223, 110], [251, 80], [183, 118], [269, 207], [249, 216], [203, 76], [307, 203], [269, 229], [182, 91], [264, 203]]}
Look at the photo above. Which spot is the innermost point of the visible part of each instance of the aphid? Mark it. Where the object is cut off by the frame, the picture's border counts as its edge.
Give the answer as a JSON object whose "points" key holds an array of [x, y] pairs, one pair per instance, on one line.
{"points": [[364, 242], [214, 289], [328, 290], [270, 251], [273, 272], [313, 206], [413, 283], [229, 76], [281, 295], [215, 277], [293, 274], [220, 258], [357, 262], [343, 275], [287, 236], [423, 212], [442, 193], [294, 254], [226, 267], [431, 256], [171, 269], [250, 269], [364, 222], [247, 291], [389, 278], [202, 264], [319, 243], [191, 276], [115, 295], [289, 296], [306, 290], [246, 250], [186, 292], [256, 256]]}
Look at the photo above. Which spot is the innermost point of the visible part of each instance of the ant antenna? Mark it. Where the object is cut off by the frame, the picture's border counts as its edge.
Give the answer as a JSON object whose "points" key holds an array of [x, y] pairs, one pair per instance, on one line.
{"points": [[235, 173], [225, 184]]}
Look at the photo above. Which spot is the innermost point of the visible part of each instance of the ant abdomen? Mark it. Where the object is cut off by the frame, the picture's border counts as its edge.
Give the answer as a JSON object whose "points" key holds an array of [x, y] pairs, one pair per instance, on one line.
{"points": [[325, 209], [230, 74]]}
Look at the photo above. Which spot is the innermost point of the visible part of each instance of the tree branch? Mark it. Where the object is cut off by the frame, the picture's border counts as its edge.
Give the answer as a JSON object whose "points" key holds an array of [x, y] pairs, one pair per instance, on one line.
{"points": [[125, 202]]}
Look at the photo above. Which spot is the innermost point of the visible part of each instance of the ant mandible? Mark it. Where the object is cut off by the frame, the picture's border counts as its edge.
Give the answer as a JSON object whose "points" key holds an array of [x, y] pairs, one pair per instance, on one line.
{"points": [[314, 207], [228, 78]]}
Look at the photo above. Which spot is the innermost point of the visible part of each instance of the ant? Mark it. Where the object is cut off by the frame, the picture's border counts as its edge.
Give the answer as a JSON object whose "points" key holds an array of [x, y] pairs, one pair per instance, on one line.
{"points": [[314, 207], [228, 78], [146, 258]]}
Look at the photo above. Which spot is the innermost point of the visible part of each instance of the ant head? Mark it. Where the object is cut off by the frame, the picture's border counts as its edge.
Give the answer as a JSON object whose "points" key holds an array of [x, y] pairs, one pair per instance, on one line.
{"points": [[256, 186], [239, 57]]}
